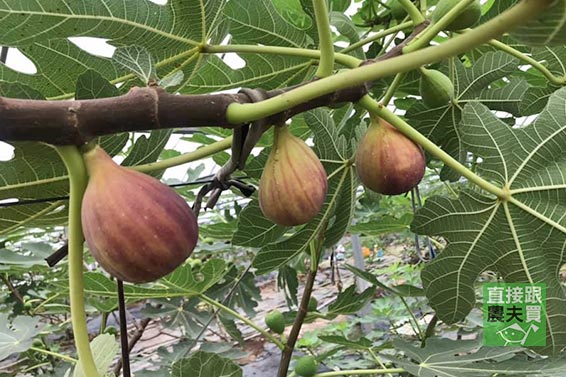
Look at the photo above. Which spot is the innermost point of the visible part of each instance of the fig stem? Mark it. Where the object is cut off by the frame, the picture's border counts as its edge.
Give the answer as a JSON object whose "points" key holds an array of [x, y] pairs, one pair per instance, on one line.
{"points": [[326, 43], [186, 157], [77, 184], [383, 33], [432, 30], [248, 322], [413, 12], [55, 354], [238, 113], [392, 88], [556, 80], [341, 57]]}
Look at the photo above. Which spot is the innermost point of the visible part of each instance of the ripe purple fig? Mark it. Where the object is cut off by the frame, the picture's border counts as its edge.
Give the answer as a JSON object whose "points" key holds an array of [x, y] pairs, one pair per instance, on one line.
{"points": [[387, 161], [293, 185], [137, 228]]}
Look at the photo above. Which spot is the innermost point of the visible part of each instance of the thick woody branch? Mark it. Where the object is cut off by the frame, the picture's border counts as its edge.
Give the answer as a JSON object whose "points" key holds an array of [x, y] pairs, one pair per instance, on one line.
{"points": [[151, 108], [74, 122], [141, 109]]}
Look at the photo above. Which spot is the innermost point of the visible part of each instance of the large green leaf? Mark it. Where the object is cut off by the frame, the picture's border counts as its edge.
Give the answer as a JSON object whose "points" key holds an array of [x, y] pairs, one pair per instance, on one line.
{"points": [[548, 28], [204, 364], [522, 234], [254, 230], [442, 124], [17, 335], [253, 22], [104, 347], [40, 29], [50, 56], [349, 301], [467, 358], [383, 225], [183, 282], [257, 21], [328, 144]]}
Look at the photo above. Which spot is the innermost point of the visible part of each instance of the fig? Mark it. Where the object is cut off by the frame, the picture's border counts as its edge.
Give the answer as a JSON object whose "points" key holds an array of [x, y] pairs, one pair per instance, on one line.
{"points": [[293, 184], [469, 16], [306, 366], [387, 161], [435, 88], [313, 304], [137, 228], [275, 321]]}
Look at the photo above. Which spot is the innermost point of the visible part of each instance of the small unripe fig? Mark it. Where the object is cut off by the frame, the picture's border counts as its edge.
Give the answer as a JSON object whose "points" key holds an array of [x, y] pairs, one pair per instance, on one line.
{"points": [[387, 161], [137, 228], [293, 185], [313, 304], [306, 366], [435, 88], [111, 330], [275, 321], [469, 16]]}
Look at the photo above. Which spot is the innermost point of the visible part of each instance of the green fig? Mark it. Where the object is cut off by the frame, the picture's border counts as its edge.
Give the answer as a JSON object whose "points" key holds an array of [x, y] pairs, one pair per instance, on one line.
{"points": [[387, 161], [275, 321], [306, 366], [435, 87], [469, 16], [137, 228], [313, 304], [293, 185]]}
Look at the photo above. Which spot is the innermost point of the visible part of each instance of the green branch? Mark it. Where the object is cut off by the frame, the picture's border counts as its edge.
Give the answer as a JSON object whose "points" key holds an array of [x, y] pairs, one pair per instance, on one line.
{"points": [[315, 251], [517, 15], [184, 158], [383, 33], [77, 184], [432, 30], [248, 322], [413, 12], [326, 45], [340, 58], [55, 354], [529, 60], [392, 88]]}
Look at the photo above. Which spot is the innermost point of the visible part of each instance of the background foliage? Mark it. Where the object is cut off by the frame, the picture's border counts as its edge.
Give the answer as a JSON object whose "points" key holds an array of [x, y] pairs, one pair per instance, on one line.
{"points": [[506, 125]]}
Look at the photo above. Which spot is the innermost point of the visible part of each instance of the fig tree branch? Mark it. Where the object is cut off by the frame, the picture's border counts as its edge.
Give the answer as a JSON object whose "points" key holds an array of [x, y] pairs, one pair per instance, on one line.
{"points": [[75, 122], [287, 353]]}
